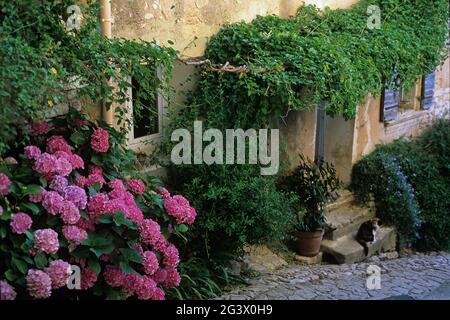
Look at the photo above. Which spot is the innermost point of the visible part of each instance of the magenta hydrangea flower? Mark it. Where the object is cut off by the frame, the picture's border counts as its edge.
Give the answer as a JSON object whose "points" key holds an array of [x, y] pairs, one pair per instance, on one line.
{"points": [[159, 294], [136, 186], [150, 262], [98, 204], [7, 291], [45, 165], [58, 184], [39, 128], [100, 140], [87, 225], [93, 179], [74, 234], [59, 272], [131, 283], [76, 195], [20, 222], [179, 207], [113, 276], [46, 240], [70, 213], [80, 181], [164, 193], [58, 143], [150, 233], [173, 278], [88, 278], [39, 284], [160, 275], [53, 202], [4, 184], [76, 161], [146, 288], [171, 257], [32, 152]]}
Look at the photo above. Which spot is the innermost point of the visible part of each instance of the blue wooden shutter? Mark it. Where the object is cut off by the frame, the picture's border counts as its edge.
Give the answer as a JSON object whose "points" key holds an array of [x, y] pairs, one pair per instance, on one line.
{"points": [[390, 99], [427, 91]]}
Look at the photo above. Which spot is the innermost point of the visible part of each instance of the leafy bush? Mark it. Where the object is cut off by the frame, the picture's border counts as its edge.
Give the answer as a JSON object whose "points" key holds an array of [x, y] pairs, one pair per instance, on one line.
{"points": [[422, 164], [237, 206], [315, 184], [42, 62], [79, 204]]}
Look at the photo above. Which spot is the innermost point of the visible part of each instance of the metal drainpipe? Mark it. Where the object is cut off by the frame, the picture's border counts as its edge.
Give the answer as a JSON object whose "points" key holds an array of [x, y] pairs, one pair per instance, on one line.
{"points": [[105, 25]]}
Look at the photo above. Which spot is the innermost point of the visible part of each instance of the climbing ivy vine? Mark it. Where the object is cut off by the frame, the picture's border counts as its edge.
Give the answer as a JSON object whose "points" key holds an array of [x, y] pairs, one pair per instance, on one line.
{"points": [[41, 60], [328, 55]]}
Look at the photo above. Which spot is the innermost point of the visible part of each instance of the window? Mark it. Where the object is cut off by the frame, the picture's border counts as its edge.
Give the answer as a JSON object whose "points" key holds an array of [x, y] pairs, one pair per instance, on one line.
{"points": [[427, 91], [146, 128]]}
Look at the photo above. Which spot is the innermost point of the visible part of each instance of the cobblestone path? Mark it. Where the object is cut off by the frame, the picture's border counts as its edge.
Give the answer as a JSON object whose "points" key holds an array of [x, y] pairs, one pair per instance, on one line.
{"points": [[415, 276]]}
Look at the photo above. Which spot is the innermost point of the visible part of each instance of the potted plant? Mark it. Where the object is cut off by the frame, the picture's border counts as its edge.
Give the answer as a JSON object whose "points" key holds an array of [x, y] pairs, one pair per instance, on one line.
{"points": [[315, 184]]}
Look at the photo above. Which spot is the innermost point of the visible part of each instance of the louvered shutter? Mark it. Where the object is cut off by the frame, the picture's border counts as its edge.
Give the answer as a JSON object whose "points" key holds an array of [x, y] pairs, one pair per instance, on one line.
{"points": [[427, 91], [390, 100]]}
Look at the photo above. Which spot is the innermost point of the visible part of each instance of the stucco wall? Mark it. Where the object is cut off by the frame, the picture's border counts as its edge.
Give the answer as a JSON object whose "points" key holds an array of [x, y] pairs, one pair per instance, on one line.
{"points": [[190, 23]]}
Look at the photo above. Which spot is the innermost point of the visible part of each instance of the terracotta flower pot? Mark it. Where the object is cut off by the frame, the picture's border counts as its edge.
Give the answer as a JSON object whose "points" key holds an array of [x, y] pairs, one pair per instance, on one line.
{"points": [[308, 243]]}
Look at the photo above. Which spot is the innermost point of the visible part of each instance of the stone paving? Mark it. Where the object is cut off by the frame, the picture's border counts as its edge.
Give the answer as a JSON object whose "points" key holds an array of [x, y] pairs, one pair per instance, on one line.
{"points": [[415, 276]]}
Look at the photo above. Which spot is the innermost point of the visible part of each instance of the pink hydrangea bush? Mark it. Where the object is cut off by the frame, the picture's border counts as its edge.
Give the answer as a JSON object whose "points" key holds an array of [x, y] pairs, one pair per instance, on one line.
{"points": [[71, 200]]}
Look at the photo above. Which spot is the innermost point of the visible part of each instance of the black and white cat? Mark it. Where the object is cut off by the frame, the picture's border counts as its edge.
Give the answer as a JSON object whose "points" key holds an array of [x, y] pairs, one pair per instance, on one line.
{"points": [[367, 233]]}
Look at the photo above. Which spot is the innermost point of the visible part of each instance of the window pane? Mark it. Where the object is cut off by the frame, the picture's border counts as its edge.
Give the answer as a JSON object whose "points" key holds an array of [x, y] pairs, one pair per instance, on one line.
{"points": [[146, 121]]}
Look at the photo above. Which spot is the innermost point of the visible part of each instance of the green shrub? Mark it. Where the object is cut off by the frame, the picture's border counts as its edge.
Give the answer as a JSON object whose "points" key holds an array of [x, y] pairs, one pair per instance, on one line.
{"points": [[424, 163], [236, 205], [315, 184]]}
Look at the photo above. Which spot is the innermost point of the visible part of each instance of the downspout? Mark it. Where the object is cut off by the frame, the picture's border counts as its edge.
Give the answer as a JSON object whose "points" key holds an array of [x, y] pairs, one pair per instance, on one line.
{"points": [[105, 26]]}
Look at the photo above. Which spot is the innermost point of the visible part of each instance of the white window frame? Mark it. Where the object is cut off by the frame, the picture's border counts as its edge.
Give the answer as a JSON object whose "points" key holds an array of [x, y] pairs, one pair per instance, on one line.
{"points": [[146, 143]]}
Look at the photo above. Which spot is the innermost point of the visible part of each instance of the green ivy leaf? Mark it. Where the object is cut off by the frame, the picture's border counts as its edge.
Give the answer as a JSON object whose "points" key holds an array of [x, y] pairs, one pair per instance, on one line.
{"points": [[31, 189], [78, 138], [31, 207], [181, 228], [3, 232], [120, 220], [10, 275], [131, 254], [94, 265]]}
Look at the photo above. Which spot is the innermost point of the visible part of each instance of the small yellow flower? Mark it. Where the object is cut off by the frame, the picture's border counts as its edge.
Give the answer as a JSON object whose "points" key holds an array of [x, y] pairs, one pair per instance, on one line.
{"points": [[50, 103], [54, 71]]}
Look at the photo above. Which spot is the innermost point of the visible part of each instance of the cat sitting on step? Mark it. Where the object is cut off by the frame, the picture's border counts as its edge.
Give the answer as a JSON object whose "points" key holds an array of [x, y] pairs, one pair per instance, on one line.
{"points": [[367, 233]]}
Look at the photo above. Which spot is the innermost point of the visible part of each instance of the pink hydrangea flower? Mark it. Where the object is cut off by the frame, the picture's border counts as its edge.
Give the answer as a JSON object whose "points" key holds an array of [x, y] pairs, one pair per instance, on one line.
{"points": [[32, 152], [100, 140], [164, 193], [39, 284], [4, 184], [80, 181], [146, 288], [88, 278], [39, 128], [35, 198], [58, 184], [131, 283], [179, 207], [76, 161], [76, 195], [98, 204], [74, 234], [58, 143], [171, 257], [136, 186], [150, 233], [70, 213], [20, 222], [95, 170], [173, 278], [150, 262], [59, 271], [159, 294], [63, 167], [93, 179], [160, 275], [45, 165], [52, 202], [7, 291], [116, 184], [46, 240], [87, 225], [113, 276]]}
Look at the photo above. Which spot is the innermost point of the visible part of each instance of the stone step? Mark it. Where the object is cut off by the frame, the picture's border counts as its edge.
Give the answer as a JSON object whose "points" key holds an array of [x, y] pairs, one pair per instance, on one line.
{"points": [[345, 198], [347, 250], [346, 220]]}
